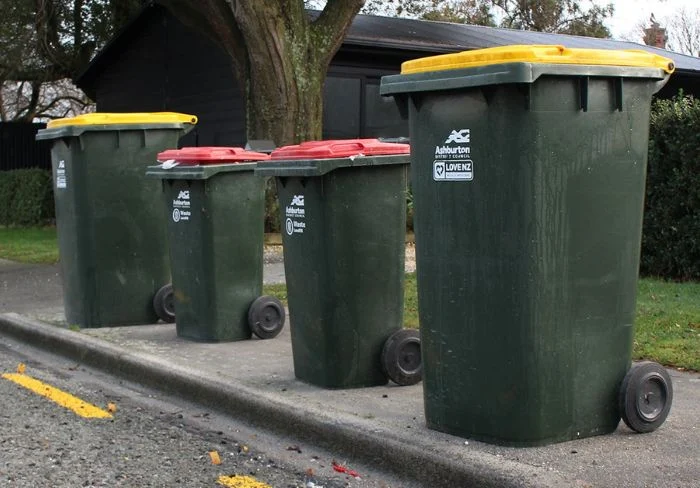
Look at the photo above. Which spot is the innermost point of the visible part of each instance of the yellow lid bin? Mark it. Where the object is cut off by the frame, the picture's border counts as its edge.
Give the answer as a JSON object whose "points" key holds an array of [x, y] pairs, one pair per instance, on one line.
{"points": [[111, 232], [100, 118], [538, 54], [528, 167]]}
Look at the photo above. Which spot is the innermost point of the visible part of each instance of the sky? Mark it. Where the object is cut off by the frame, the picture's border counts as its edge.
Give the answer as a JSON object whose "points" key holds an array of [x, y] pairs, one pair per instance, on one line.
{"points": [[629, 13]]}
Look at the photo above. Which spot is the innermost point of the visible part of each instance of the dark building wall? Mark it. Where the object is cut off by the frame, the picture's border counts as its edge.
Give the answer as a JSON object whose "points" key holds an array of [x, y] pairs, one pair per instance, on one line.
{"points": [[688, 84], [18, 148], [167, 66], [135, 78], [200, 80], [353, 108]]}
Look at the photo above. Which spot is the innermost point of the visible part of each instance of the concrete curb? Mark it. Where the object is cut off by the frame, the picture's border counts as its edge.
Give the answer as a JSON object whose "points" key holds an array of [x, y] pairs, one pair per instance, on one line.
{"points": [[340, 434]]}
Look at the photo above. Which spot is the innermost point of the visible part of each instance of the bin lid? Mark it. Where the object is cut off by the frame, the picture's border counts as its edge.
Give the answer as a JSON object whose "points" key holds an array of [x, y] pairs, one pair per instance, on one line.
{"points": [[211, 155], [317, 158], [540, 54], [340, 148], [104, 118]]}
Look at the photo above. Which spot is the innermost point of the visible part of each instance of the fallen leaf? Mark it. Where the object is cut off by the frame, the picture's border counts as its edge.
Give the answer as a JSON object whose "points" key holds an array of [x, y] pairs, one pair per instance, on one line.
{"points": [[21, 368], [215, 459], [342, 469], [310, 472], [111, 407]]}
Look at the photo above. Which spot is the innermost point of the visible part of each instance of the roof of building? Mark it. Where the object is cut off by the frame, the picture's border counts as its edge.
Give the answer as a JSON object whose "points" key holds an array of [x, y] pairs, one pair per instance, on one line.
{"points": [[438, 37], [419, 36]]}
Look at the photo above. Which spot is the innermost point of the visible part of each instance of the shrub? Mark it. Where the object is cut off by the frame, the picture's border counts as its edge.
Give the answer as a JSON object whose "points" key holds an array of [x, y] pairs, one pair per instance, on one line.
{"points": [[7, 192], [26, 197], [671, 235]]}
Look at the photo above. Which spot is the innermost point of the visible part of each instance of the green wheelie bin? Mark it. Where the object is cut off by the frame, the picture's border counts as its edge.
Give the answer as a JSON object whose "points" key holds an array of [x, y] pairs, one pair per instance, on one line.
{"points": [[111, 235], [215, 209], [343, 219], [528, 170]]}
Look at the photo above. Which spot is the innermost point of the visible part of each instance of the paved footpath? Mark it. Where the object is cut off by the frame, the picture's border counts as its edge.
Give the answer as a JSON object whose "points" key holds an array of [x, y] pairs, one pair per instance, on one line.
{"points": [[384, 426]]}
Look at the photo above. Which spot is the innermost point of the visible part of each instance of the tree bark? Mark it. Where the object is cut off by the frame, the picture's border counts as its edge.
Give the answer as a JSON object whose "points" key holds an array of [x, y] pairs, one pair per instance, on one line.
{"points": [[280, 54]]}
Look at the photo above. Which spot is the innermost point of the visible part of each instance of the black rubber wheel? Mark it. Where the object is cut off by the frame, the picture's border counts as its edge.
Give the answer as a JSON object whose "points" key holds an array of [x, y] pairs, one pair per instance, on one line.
{"points": [[645, 396], [266, 317], [164, 304], [401, 360]]}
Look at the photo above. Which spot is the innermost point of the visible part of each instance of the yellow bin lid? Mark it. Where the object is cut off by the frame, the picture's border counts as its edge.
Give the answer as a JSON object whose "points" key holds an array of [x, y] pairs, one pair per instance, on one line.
{"points": [[538, 54], [103, 118]]}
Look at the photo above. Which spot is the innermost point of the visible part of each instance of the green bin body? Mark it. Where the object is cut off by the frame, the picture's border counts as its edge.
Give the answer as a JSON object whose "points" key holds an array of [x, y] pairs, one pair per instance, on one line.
{"points": [[343, 225], [111, 234], [528, 184], [215, 216]]}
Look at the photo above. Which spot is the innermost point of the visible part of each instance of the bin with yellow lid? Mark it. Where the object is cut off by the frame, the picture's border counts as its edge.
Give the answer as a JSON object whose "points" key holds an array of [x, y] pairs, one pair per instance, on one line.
{"points": [[528, 175], [111, 234]]}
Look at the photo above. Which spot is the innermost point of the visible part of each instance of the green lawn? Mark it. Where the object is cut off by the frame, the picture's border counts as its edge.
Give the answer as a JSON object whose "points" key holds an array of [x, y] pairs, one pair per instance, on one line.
{"points": [[668, 323], [667, 328], [668, 314], [29, 245]]}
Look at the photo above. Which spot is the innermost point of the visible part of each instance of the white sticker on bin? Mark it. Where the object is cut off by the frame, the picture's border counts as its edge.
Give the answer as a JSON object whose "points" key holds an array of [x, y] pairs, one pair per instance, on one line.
{"points": [[295, 214], [61, 178], [453, 157]]}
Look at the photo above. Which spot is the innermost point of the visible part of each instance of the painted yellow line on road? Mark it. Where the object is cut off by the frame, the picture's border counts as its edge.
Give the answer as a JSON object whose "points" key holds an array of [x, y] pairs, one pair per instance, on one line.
{"points": [[235, 481], [60, 397]]}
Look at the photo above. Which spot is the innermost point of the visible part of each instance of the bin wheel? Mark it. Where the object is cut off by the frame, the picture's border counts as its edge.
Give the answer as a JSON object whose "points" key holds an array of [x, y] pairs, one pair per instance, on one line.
{"points": [[401, 360], [266, 317], [164, 304], [645, 396]]}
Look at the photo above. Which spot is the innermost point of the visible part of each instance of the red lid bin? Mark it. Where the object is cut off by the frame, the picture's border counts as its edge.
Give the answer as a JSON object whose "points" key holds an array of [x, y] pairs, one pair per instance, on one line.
{"points": [[211, 155], [341, 148]]}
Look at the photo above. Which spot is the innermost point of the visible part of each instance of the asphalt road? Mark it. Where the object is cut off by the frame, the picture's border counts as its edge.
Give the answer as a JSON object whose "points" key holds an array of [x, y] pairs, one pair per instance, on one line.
{"points": [[41, 287], [151, 441]]}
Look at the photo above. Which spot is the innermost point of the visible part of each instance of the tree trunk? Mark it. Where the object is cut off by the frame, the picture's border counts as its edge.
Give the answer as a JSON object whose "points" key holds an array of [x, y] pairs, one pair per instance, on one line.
{"points": [[287, 111], [280, 55], [284, 79]]}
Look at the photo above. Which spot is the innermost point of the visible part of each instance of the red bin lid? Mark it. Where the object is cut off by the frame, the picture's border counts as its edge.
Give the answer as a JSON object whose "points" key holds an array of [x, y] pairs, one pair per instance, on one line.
{"points": [[340, 148], [211, 155]]}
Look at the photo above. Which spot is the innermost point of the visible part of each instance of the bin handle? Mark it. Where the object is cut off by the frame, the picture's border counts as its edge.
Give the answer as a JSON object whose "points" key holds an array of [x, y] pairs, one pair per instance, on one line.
{"points": [[337, 147]]}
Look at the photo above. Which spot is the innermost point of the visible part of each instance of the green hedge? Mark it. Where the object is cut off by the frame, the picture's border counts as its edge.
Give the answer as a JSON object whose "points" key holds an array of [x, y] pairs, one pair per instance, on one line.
{"points": [[671, 236], [26, 197]]}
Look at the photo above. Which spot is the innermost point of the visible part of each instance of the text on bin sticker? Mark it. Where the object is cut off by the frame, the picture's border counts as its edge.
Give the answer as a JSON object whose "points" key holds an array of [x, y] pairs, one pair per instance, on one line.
{"points": [[453, 158], [61, 179], [181, 207], [453, 171], [295, 214]]}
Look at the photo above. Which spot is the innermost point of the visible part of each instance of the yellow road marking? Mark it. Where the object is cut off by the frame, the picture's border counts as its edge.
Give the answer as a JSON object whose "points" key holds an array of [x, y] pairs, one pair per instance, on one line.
{"points": [[235, 481], [62, 398]]}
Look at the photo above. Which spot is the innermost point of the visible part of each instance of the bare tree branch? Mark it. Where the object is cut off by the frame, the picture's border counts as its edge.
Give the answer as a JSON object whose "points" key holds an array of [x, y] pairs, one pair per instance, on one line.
{"points": [[684, 32], [45, 42]]}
